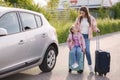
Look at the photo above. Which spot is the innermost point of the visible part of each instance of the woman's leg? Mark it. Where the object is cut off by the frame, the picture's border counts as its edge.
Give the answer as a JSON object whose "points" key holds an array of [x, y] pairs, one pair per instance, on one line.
{"points": [[87, 42], [88, 56]]}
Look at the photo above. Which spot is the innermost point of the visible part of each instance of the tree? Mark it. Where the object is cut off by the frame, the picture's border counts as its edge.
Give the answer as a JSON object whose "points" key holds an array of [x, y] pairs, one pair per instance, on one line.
{"points": [[53, 4], [20, 3], [11, 1], [2, 3], [116, 9], [30, 5]]}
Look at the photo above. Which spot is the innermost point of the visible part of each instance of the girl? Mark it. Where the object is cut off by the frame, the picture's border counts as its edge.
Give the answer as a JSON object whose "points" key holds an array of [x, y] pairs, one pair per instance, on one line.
{"points": [[76, 44]]}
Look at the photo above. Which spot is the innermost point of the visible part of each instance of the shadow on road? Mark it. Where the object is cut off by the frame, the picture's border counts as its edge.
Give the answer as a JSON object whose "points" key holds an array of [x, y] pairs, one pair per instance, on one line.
{"points": [[71, 76], [48, 76], [90, 76], [96, 77], [22, 76], [101, 78]]}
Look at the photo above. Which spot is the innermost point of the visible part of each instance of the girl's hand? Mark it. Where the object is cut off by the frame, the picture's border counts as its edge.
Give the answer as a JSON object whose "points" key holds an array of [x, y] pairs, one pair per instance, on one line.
{"points": [[84, 51]]}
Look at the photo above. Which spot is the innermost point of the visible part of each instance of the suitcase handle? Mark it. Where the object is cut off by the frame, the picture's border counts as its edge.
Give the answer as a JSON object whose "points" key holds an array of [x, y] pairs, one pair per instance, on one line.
{"points": [[98, 41]]}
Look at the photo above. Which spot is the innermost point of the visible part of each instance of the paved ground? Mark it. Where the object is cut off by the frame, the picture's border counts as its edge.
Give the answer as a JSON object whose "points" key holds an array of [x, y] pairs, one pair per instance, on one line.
{"points": [[109, 42]]}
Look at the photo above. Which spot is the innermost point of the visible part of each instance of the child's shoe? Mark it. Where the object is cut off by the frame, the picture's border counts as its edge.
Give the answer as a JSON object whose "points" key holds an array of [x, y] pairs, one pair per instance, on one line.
{"points": [[75, 65]]}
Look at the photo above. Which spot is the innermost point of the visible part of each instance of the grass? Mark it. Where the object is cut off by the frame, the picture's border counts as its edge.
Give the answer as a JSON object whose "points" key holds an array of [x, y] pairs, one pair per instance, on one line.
{"points": [[105, 26]]}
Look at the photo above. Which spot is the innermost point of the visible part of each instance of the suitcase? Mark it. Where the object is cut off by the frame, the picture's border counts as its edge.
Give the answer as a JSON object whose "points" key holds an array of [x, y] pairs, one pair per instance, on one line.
{"points": [[80, 68], [102, 60]]}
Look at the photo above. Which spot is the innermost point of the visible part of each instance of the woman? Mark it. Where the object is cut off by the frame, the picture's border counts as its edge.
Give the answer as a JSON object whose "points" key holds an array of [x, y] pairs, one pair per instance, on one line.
{"points": [[87, 24]]}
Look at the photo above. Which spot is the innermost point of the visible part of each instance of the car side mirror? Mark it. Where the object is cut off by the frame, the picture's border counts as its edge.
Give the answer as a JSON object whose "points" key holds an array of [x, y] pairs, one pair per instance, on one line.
{"points": [[3, 32]]}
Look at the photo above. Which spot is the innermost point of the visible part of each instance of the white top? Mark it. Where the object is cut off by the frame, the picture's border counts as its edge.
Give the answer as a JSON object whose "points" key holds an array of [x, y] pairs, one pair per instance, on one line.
{"points": [[84, 26]]}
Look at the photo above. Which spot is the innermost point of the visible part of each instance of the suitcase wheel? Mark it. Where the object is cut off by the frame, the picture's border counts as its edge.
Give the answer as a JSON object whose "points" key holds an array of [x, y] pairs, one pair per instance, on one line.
{"points": [[80, 71], [70, 70], [100, 74], [95, 73], [105, 74]]}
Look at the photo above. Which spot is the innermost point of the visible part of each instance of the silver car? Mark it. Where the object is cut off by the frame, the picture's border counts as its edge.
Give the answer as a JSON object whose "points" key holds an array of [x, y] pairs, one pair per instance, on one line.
{"points": [[26, 40]]}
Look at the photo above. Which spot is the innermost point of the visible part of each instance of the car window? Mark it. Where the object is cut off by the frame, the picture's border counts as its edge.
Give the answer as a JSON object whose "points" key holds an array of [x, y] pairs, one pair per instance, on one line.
{"points": [[39, 21], [9, 22], [28, 21]]}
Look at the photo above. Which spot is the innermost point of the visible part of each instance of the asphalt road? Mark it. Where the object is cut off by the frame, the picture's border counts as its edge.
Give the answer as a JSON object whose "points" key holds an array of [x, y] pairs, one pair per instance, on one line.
{"points": [[109, 42]]}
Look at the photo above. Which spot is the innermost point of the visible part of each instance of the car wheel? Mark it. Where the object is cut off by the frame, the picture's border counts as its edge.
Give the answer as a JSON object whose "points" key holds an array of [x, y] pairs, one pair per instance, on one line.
{"points": [[49, 60]]}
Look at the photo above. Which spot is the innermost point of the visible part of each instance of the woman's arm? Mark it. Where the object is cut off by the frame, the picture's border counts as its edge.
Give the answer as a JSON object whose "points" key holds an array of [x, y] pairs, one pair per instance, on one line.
{"points": [[94, 24], [77, 24]]}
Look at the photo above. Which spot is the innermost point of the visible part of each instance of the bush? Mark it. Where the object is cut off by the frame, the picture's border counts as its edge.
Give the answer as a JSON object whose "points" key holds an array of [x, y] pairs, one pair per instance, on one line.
{"points": [[105, 25], [108, 25], [62, 28], [103, 13], [73, 14], [116, 9], [36, 8]]}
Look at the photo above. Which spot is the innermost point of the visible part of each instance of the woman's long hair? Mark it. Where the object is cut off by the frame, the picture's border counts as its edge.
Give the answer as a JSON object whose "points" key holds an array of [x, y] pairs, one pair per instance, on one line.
{"points": [[85, 9]]}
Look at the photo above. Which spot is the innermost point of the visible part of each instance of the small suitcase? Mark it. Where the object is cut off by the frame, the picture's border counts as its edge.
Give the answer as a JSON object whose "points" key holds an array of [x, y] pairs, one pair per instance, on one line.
{"points": [[102, 60], [80, 68]]}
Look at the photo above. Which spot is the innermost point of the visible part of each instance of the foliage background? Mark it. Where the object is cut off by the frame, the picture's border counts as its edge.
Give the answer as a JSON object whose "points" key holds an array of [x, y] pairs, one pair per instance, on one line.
{"points": [[105, 22]]}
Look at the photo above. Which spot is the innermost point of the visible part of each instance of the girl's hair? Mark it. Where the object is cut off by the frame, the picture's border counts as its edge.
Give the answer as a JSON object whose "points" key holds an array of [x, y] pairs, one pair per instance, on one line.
{"points": [[71, 30], [87, 14]]}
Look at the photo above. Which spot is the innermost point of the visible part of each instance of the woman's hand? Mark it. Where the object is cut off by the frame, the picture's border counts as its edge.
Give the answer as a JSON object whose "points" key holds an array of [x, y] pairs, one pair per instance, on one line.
{"points": [[98, 31]]}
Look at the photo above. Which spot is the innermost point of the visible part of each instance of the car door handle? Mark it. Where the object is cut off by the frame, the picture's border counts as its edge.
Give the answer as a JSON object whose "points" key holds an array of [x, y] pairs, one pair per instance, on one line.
{"points": [[21, 42], [44, 35]]}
